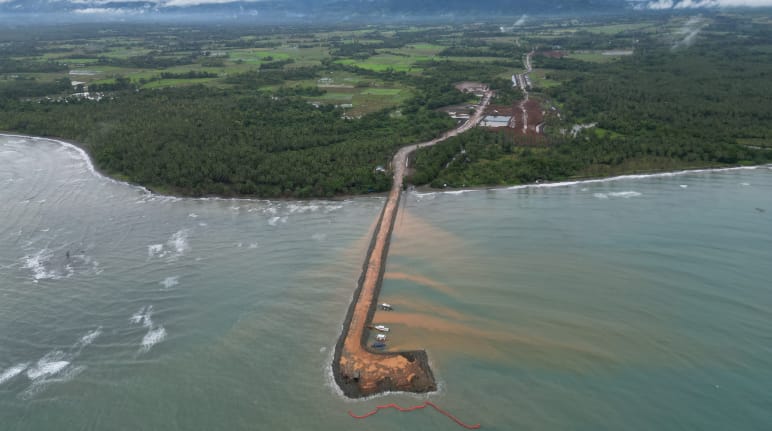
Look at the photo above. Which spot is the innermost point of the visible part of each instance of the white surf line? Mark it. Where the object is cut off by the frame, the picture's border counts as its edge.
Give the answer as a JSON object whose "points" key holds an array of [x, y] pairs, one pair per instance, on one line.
{"points": [[86, 158], [667, 174], [548, 185]]}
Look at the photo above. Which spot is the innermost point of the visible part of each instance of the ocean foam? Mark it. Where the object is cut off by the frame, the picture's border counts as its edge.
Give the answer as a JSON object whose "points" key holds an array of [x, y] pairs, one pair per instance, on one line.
{"points": [[143, 316], [170, 281], [153, 337], [253, 245], [745, 184], [54, 366], [40, 262], [459, 192], [274, 221], [319, 236], [49, 365], [155, 250], [332, 208], [179, 242], [300, 209], [422, 196], [626, 195], [37, 386], [176, 246], [155, 333], [683, 186], [12, 372]]}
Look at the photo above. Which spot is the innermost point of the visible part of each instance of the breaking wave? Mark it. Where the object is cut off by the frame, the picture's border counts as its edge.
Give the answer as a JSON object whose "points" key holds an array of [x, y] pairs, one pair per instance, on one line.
{"points": [[274, 221], [54, 367], [176, 246], [153, 337], [12, 372], [155, 333], [49, 365], [43, 266], [143, 316]]}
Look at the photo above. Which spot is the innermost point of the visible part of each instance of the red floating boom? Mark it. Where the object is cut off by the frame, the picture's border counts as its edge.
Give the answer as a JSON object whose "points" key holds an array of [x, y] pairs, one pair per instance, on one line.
{"points": [[410, 409]]}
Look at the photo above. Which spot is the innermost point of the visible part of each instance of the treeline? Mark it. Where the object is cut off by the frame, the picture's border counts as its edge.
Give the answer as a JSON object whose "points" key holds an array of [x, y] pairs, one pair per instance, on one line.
{"points": [[8, 65], [484, 49], [152, 60]]}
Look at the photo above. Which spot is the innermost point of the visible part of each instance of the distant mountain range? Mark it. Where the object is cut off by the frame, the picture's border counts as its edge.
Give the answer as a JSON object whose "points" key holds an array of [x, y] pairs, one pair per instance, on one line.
{"points": [[302, 9], [15, 11]]}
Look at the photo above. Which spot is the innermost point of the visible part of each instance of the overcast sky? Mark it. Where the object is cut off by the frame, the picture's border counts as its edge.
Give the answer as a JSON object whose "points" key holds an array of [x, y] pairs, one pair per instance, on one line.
{"points": [[150, 6]]}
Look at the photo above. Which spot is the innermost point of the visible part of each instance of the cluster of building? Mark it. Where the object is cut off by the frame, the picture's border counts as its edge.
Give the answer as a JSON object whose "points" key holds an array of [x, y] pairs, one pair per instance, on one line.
{"points": [[521, 81]]}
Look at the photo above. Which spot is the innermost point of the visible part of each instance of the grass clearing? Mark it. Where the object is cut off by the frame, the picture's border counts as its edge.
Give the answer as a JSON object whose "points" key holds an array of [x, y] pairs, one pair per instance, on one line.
{"points": [[382, 63], [540, 80]]}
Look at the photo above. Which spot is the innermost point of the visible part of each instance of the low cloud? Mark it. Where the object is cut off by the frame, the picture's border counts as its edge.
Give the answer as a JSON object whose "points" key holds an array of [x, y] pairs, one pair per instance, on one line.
{"points": [[96, 6], [106, 11], [704, 4]]}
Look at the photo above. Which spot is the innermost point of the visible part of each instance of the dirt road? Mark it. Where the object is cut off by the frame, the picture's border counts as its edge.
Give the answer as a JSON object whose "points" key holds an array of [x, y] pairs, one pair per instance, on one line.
{"points": [[528, 70]]}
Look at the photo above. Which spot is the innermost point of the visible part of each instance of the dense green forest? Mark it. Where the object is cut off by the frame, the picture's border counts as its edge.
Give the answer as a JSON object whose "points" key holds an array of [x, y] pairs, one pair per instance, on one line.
{"points": [[199, 141], [312, 112]]}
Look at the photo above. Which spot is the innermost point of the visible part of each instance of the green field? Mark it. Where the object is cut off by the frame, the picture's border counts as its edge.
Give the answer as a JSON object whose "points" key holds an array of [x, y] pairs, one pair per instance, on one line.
{"points": [[386, 62], [540, 80]]}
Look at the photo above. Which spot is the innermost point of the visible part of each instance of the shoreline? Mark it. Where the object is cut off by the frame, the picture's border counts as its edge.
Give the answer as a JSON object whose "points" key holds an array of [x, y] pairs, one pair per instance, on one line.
{"points": [[641, 175], [80, 148]]}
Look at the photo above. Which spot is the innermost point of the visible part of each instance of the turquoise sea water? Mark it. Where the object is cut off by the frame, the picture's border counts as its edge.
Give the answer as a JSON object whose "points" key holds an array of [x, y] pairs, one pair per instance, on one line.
{"points": [[640, 303]]}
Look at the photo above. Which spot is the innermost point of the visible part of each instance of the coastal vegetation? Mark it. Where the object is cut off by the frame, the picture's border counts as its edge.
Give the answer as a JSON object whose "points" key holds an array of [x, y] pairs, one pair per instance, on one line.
{"points": [[314, 112]]}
